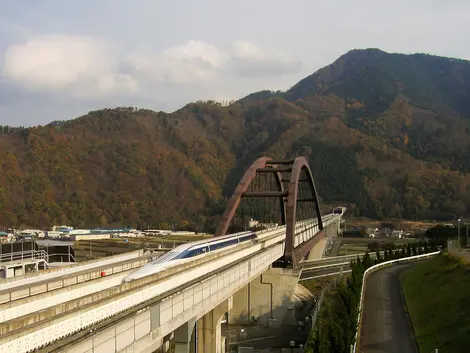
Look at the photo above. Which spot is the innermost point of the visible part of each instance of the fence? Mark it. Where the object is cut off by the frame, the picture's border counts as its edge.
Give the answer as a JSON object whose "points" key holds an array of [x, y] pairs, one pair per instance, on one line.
{"points": [[313, 317], [24, 255], [366, 273], [453, 249]]}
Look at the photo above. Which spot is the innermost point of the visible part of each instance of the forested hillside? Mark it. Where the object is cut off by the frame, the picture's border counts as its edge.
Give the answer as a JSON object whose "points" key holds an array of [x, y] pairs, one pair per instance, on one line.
{"points": [[386, 134]]}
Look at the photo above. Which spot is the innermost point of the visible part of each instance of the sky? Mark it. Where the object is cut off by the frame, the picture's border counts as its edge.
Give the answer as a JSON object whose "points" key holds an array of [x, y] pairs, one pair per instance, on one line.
{"points": [[60, 59]]}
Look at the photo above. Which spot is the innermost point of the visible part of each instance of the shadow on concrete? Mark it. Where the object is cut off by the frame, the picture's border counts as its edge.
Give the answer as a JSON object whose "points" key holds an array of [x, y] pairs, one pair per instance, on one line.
{"points": [[266, 331]]}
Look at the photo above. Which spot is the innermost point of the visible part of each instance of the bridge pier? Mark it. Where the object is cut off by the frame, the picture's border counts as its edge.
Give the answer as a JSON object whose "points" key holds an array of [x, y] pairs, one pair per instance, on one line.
{"points": [[270, 299], [208, 329], [182, 337]]}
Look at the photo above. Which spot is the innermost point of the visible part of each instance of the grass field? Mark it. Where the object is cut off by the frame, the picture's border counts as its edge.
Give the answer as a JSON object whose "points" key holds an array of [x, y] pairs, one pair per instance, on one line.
{"points": [[315, 285], [436, 293]]}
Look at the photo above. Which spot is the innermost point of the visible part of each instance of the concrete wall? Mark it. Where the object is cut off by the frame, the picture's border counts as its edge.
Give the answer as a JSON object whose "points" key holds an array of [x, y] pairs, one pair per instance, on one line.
{"points": [[74, 267], [269, 298], [255, 299], [49, 285]]}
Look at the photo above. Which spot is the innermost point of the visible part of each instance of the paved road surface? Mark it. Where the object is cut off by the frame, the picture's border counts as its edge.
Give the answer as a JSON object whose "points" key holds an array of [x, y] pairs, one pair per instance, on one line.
{"points": [[385, 326]]}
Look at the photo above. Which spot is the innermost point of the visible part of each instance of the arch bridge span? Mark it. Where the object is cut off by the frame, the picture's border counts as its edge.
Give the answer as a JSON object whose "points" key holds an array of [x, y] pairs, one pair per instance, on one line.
{"points": [[276, 192]]}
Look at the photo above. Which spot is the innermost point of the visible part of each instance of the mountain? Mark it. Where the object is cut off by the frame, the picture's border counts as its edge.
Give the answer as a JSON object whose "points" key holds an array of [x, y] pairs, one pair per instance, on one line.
{"points": [[386, 134]]}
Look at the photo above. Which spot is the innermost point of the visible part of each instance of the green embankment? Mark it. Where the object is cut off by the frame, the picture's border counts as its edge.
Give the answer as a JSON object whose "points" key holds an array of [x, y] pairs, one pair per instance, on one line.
{"points": [[437, 293]]}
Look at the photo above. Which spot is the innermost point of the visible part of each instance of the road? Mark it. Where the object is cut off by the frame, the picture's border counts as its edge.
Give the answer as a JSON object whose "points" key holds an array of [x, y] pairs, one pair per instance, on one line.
{"points": [[385, 326]]}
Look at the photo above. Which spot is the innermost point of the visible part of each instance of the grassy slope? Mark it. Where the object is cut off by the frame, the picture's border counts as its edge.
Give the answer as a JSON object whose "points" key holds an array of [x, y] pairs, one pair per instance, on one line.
{"points": [[436, 293]]}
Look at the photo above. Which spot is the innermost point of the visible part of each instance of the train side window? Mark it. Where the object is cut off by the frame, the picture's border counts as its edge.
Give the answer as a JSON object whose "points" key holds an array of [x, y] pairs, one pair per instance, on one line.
{"points": [[190, 253], [195, 252], [248, 237]]}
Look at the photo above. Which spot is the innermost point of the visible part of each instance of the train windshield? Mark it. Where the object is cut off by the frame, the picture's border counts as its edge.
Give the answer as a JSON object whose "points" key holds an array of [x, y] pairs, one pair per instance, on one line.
{"points": [[166, 257]]}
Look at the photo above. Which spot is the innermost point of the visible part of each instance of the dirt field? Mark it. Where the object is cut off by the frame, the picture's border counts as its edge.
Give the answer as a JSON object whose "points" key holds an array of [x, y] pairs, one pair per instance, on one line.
{"points": [[108, 247]]}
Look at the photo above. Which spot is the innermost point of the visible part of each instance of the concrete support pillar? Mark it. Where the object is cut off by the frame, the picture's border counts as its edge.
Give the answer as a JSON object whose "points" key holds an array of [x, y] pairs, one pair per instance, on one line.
{"points": [[164, 346], [241, 311], [209, 334], [269, 296], [182, 337]]}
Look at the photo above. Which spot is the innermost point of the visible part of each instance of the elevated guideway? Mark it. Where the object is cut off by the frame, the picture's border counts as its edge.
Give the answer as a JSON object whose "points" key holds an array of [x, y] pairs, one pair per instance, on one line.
{"points": [[226, 272], [140, 315], [35, 277], [330, 266], [49, 281], [334, 260], [25, 300], [325, 271]]}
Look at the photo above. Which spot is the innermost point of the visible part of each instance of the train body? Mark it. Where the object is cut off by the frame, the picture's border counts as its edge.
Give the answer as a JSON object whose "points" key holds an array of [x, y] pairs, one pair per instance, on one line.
{"points": [[337, 210], [189, 251]]}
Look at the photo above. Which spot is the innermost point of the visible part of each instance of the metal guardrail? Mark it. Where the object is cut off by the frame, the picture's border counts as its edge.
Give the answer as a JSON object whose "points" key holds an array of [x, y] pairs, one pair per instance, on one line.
{"points": [[333, 259], [369, 271], [304, 223], [25, 255], [326, 275]]}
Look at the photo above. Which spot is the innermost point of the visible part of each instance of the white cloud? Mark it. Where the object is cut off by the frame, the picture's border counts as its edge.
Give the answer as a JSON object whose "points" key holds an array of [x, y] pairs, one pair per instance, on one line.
{"points": [[200, 62], [194, 61], [251, 60], [86, 66], [82, 66], [118, 83], [173, 70], [54, 62]]}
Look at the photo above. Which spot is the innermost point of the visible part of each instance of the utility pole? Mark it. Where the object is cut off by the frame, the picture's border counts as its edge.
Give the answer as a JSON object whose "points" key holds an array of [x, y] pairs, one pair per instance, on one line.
{"points": [[458, 234], [466, 234]]}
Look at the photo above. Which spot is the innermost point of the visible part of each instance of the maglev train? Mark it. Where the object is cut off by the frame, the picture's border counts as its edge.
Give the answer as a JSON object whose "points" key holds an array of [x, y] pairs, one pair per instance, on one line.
{"points": [[337, 210], [189, 251]]}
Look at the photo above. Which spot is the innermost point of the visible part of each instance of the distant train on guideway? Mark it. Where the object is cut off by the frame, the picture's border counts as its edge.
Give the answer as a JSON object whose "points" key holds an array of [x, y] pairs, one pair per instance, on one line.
{"points": [[189, 251]]}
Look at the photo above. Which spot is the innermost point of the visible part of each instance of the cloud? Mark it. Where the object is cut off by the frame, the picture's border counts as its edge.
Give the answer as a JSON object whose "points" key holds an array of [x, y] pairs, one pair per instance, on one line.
{"points": [[194, 61], [200, 62], [80, 65], [250, 60], [53, 62], [89, 67], [71, 70]]}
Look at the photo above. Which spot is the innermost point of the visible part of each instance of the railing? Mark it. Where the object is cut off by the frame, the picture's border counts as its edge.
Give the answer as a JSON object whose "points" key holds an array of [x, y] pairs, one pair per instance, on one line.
{"points": [[338, 259], [453, 249], [62, 256], [366, 273], [318, 304], [25, 255], [326, 275]]}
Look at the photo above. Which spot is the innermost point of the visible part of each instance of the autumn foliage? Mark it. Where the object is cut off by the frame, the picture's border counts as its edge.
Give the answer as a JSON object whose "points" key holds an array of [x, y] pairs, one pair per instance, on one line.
{"points": [[386, 135]]}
